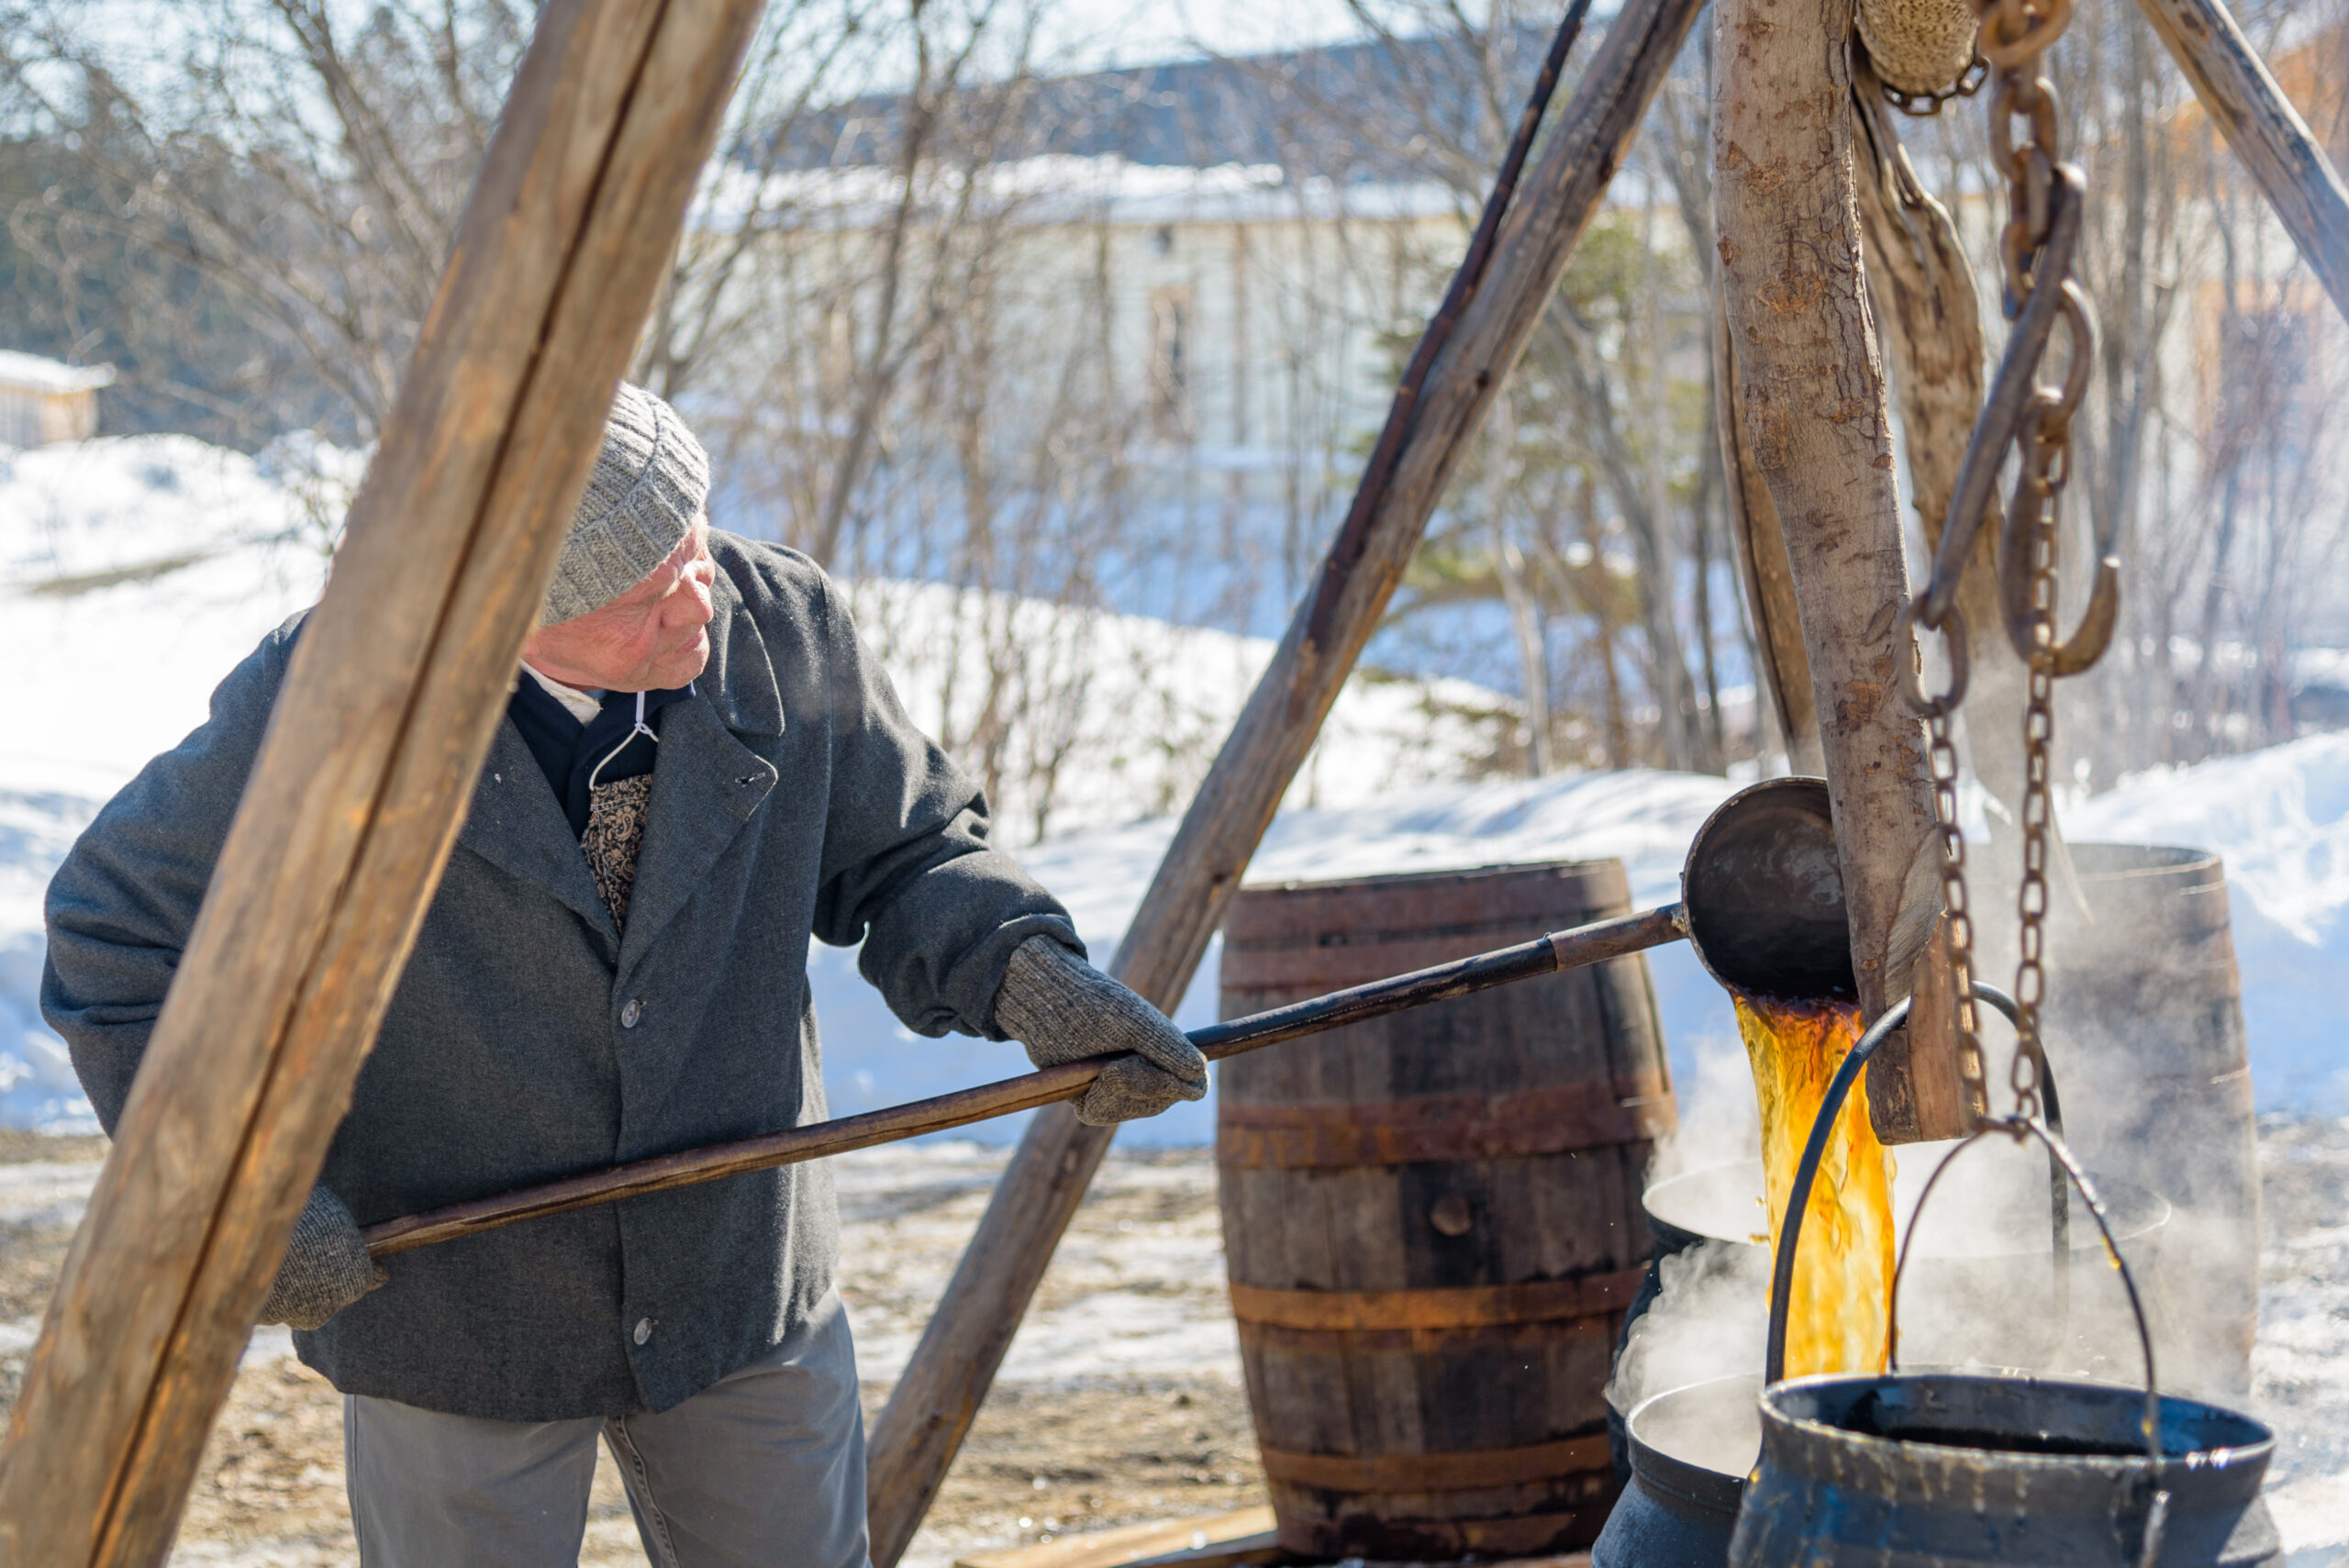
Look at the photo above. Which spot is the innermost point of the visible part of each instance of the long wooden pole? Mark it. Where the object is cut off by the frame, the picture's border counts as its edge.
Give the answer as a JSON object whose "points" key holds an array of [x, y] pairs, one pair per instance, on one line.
{"points": [[1783, 667], [2266, 131], [387, 711], [1548, 954], [1810, 382], [918, 1431]]}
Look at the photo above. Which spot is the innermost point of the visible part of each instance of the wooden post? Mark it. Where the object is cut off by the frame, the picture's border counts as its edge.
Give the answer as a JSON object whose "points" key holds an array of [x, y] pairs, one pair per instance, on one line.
{"points": [[387, 709], [918, 1433], [1931, 327], [1784, 669], [2266, 131], [1811, 383]]}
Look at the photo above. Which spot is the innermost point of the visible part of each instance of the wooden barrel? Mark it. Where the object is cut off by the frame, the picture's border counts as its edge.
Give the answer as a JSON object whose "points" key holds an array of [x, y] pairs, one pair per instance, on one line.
{"points": [[2145, 1036], [1433, 1220]]}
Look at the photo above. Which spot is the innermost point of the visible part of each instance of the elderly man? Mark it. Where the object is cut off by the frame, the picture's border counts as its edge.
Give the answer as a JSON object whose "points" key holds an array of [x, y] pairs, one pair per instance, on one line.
{"points": [[699, 769]]}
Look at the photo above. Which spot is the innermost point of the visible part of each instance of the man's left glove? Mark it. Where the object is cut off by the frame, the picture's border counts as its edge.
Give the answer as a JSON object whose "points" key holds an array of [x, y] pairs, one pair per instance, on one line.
{"points": [[326, 1269], [1063, 1009]]}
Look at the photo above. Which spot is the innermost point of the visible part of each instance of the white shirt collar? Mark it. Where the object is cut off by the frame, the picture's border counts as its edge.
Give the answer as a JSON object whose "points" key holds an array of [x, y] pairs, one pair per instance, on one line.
{"points": [[581, 705]]}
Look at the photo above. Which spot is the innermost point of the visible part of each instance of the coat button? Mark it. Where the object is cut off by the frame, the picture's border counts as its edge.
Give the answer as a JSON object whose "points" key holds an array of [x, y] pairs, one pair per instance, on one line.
{"points": [[630, 1012], [643, 1330]]}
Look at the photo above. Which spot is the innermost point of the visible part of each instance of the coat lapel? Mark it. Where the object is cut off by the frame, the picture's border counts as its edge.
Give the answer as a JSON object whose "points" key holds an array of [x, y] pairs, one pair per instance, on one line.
{"points": [[707, 782], [517, 825]]}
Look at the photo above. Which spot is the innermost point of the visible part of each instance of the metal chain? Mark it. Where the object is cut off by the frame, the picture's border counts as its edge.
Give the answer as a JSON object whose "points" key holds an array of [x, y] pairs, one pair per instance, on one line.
{"points": [[2016, 35], [1942, 756], [2038, 815], [1925, 106]]}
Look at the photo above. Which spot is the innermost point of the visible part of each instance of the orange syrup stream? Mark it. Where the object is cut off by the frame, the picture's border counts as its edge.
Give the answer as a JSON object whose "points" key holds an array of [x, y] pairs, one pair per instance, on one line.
{"points": [[1837, 1321]]}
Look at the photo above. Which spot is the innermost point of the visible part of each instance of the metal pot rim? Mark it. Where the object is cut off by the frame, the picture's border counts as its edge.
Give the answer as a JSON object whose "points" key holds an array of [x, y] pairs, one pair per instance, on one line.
{"points": [[1694, 1482], [2204, 1464]]}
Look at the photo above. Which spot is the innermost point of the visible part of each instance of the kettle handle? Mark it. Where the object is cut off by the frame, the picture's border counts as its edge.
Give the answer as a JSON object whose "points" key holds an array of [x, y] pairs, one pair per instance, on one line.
{"points": [[1782, 1276]]}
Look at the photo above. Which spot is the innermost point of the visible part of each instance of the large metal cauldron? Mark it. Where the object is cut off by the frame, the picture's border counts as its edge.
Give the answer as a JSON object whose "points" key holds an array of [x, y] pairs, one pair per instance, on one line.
{"points": [[1912, 1469], [1690, 1449]]}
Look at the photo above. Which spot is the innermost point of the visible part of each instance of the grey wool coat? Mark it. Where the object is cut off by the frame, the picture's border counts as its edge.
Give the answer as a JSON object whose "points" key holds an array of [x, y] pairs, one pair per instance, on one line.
{"points": [[529, 1039]]}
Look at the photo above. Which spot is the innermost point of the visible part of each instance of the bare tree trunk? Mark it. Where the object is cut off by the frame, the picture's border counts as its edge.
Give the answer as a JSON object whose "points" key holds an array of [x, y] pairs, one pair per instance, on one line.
{"points": [[355, 799], [917, 1434], [1602, 614], [1668, 664], [1700, 519], [1813, 387], [1524, 614], [1680, 712]]}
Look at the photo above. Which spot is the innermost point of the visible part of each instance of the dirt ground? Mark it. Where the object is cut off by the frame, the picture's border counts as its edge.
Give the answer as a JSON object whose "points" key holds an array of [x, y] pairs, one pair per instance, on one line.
{"points": [[1112, 1439], [1121, 1399]]}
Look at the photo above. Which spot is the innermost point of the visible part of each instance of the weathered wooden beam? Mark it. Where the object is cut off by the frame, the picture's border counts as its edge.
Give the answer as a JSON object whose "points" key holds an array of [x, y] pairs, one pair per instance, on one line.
{"points": [[1930, 324], [918, 1433], [1783, 669], [388, 706], [1811, 381], [2266, 131]]}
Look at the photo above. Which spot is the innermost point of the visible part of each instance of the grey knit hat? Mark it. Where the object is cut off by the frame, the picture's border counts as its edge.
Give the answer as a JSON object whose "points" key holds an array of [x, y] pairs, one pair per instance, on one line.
{"points": [[651, 481]]}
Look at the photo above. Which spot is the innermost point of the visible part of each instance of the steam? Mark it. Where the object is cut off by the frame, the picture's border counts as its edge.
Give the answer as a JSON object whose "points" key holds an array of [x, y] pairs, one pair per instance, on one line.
{"points": [[1981, 1290], [1719, 1118], [2139, 1036], [1710, 1319]]}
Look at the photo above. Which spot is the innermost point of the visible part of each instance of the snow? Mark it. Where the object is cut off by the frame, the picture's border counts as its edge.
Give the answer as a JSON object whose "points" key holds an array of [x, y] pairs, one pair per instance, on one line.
{"points": [[31, 372], [136, 571]]}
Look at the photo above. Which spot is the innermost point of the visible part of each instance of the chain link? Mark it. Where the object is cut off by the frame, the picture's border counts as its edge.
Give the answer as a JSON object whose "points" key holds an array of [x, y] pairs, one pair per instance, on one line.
{"points": [[1943, 758], [2038, 817], [2016, 35], [1925, 106]]}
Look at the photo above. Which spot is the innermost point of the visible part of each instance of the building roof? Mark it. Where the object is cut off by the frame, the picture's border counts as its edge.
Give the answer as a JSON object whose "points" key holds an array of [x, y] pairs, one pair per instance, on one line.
{"points": [[1304, 111], [1058, 188], [31, 372]]}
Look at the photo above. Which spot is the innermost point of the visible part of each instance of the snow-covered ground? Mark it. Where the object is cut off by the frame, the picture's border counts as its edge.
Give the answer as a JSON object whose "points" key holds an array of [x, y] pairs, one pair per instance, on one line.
{"points": [[135, 572]]}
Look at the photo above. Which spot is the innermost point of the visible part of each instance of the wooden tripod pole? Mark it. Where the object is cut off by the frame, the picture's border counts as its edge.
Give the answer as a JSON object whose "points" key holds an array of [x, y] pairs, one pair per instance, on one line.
{"points": [[1809, 385], [918, 1433], [2265, 130], [385, 714]]}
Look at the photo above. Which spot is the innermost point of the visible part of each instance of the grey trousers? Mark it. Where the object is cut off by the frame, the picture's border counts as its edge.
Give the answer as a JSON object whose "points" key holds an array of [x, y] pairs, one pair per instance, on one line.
{"points": [[764, 1467]]}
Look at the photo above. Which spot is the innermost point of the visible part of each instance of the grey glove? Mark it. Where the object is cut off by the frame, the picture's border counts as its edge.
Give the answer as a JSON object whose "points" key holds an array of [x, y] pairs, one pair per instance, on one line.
{"points": [[1063, 1009], [326, 1267]]}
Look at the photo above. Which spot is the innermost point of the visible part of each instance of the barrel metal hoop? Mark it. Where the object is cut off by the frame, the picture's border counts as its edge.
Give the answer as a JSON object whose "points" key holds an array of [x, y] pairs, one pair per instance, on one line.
{"points": [[1561, 1118], [1454, 1306], [1415, 1540], [1465, 1470]]}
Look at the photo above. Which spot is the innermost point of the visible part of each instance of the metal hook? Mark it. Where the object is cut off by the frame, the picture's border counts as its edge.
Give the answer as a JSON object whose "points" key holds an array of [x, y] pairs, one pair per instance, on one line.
{"points": [[2012, 396], [1952, 630]]}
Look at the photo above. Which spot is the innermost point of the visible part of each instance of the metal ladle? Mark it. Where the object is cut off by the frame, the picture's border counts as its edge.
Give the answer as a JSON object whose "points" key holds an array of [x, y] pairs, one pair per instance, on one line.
{"points": [[1762, 904]]}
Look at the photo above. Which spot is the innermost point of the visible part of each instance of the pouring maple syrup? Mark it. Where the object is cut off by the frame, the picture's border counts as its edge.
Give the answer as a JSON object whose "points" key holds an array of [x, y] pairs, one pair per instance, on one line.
{"points": [[1839, 1318]]}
